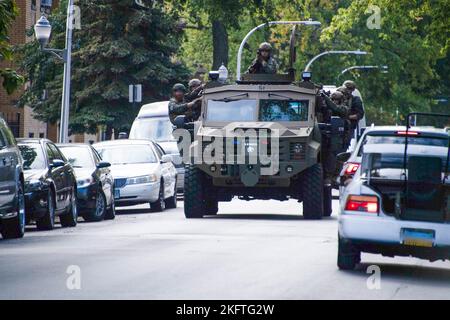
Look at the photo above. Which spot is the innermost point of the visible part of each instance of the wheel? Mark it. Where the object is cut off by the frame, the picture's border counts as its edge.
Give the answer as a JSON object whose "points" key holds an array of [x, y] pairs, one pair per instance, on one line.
{"points": [[212, 205], [171, 203], [348, 255], [47, 222], [327, 201], [15, 228], [111, 211], [159, 205], [99, 212], [69, 220], [194, 190], [312, 191]]}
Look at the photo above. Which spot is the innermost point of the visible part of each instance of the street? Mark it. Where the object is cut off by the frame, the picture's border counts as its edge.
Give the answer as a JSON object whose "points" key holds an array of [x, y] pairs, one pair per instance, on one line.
{"points": [[251, 250]]}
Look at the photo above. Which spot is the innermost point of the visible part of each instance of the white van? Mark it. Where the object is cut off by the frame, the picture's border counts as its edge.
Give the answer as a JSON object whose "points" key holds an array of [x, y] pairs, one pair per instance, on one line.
{"points": [[152, 123]]}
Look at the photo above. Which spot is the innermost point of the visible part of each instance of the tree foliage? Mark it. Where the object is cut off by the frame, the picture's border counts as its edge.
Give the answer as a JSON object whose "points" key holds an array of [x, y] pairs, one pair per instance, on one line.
{"points": [[10, 78], [118, 44]]}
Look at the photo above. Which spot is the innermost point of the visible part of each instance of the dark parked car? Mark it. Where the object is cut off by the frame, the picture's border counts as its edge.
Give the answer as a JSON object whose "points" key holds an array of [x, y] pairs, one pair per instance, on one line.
{"points": [[95, 182], [12, 202], [50, 184]]}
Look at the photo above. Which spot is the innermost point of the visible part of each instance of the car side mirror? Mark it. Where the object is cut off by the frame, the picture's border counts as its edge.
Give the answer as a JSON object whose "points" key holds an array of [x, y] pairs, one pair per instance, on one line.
{"points": [[166, 158], [180, 122], [343, 157], [57, 163], [103, 164]]}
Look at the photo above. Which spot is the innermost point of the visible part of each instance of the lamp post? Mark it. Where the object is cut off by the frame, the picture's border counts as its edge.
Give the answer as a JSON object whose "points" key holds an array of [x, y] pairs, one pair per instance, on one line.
{"points": [[384, 69], [42, 31], [356, 52]]}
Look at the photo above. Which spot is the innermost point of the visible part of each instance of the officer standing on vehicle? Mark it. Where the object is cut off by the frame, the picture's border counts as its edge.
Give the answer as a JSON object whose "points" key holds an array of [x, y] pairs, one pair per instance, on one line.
{"points": [[354, 103], [195, 94], [178, 105], [264, 62]]}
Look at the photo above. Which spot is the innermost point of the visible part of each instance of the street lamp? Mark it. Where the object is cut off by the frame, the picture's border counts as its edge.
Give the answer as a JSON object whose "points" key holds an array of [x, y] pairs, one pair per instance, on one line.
{"points": [[42, 31], [355, 52], [271, 23], [384, 69]]}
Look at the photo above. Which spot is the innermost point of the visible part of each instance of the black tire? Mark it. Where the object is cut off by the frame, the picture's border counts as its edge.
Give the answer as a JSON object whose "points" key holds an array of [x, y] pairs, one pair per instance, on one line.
{"points": [[70, 219], [348, 255], [159, 205], [99, 212], [194, 193], [212, 206], [171, 203], [111, 211], [47, 222], [15, 228], [327, 201], [312, 191]]}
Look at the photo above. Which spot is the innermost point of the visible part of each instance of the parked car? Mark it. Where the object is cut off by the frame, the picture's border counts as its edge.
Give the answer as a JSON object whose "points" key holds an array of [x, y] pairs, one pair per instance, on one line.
{"points": [[50, 184], [12, 198], [152, 123], [142, 172], [393, 209], [95, 184], [387, 135]]}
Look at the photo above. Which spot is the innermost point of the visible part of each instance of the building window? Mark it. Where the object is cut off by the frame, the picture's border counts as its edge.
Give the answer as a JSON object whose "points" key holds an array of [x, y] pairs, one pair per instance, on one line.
{"points": [[33, 5], [41, 135], [46, 3], [31, 135]]}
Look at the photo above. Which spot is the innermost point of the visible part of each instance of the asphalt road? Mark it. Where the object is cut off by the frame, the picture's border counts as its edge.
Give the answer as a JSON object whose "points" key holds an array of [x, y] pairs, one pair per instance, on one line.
{"points": [[252, 250]]}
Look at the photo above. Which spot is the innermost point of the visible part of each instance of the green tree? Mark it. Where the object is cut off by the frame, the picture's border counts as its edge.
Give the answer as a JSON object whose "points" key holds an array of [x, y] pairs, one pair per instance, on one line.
{"points": [[118, 44], [11, 79]]}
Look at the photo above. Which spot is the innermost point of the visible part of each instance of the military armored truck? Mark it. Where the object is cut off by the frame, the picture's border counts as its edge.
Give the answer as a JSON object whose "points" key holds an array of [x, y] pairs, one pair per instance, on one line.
{"points": [[259, 138]]}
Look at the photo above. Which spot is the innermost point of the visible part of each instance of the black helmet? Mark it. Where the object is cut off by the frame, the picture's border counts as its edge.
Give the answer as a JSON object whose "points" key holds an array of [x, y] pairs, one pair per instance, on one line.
{"points": [[179, 87]]}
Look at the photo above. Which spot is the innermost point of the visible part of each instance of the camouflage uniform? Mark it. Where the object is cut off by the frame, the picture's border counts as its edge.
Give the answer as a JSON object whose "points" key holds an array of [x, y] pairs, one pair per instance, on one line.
{"points": [[262, 66], [177, 108]]}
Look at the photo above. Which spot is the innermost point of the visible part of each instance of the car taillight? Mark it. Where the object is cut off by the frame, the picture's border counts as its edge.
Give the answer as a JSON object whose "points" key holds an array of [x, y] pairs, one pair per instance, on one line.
{"points": [[351, 168], [367, 204], [407, 133]]}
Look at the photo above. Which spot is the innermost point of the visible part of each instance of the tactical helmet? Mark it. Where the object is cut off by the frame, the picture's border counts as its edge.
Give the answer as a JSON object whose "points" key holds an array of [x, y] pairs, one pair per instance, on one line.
{"points": [[179, 87], [195, 83], [350, 85], [265, 46], [337, 95]]}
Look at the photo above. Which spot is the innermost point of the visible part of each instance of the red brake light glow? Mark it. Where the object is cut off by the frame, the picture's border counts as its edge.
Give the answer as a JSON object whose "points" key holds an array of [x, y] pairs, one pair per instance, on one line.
{"points": [[367, 204], [351, 168], [407, 133]]}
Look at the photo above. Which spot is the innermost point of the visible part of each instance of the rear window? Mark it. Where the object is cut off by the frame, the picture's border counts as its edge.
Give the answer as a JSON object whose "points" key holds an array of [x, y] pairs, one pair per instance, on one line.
{"points": [[391, 139]]}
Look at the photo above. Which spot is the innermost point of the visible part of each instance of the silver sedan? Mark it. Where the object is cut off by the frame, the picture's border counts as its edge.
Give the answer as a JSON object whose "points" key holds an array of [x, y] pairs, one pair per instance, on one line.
{"points": [[142, 173]]}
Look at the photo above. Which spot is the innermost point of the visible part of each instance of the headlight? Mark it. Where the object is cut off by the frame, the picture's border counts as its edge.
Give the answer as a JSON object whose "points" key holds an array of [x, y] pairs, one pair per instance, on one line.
{"points": [[84, 182], [142, 179], [33, 185]]}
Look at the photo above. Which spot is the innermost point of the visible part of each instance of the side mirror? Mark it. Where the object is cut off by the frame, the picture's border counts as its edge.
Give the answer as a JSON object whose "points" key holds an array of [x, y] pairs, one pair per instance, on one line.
{"points": [[103, 164], [166, 159], [180, 122], [57, 164], [343, 157]]}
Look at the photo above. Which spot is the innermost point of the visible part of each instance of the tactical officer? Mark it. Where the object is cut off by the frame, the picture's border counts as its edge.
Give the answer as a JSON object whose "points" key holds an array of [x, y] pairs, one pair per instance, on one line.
{"points": [[264, 62], [178, 105], [353, 102], [195, 93], [336, 104]]}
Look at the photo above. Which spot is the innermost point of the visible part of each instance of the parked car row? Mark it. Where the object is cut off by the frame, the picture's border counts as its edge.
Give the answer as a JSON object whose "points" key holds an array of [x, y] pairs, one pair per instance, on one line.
{"points": [[41, 180]]}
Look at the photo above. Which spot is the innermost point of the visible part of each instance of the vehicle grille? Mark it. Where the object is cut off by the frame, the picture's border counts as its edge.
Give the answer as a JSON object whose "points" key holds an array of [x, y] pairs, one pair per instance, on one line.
{"points": [[120, 183]]}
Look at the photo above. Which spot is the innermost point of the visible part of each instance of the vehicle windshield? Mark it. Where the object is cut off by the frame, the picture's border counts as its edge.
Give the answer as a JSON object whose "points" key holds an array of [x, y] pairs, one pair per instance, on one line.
{"points": [[33, 157], [131, 154], [232, 110], [283, 110], [78, 157], [391, 139], [157, 129]]}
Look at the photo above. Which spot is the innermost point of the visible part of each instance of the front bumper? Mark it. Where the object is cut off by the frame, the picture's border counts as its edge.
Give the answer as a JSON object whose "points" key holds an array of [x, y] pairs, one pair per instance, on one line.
{"points": [[86, 198], [137, 194], [385, 233]]}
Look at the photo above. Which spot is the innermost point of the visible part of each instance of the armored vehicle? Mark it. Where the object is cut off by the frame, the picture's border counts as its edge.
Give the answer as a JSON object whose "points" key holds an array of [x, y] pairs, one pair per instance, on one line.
{"points": [[259, 138]]}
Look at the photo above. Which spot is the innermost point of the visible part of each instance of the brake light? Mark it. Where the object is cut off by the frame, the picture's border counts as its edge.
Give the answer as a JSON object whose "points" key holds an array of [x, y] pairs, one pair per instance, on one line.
{"points": [[367, 204], [407, 133], [351, 168]]}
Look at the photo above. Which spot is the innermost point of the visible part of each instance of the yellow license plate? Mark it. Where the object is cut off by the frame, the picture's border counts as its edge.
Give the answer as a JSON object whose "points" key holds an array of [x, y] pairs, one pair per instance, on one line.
{"points": [[418, 243], [418, 238]]}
